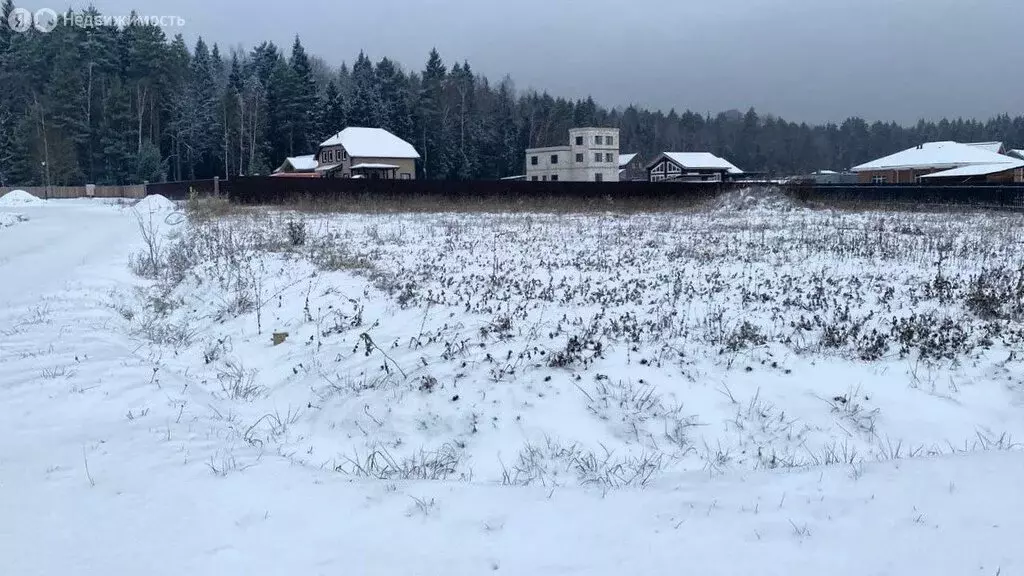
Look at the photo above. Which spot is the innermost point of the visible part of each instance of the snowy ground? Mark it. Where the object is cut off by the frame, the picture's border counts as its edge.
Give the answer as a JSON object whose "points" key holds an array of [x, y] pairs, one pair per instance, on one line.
{"points": [[11, 218], [748, 388]]}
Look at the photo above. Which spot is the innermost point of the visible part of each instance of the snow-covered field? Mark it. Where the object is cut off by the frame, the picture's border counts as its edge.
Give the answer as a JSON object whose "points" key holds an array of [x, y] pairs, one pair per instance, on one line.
{"points": [[746, 388]]}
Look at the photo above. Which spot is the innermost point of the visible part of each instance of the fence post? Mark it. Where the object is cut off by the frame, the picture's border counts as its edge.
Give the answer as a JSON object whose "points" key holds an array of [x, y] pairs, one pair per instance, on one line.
{"points": [[216, 185]]}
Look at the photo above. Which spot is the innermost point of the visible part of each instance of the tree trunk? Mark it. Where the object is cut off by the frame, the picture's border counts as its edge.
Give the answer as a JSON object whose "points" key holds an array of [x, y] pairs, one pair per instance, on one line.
{"points": [[88, 122], [224, 111], [46, 144], [241, 136], [140, 102]]}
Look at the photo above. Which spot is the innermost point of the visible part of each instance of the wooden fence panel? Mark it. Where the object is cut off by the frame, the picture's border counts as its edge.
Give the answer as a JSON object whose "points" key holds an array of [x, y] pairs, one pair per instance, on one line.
{"points": [[64, 192]]}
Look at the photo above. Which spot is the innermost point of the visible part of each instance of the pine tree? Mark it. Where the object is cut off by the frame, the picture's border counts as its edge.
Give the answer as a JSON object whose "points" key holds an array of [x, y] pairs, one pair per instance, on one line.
{"points": [[509, 146], [431, 114], [303, 101], [119, 147], [69, 104], [280, 95], [5, 31], [100, 61], [466, 125], [220, 151], [144, 48], [393, 88], [366, 107], [200, 119], [332, 119], [255, 119], [177, 105], [7, 105], [25, 166], [231, 99]]}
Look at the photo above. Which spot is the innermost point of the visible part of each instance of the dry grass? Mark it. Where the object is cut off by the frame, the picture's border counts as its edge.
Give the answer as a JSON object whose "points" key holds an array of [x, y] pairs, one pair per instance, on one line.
{"points": [[366, 204]]}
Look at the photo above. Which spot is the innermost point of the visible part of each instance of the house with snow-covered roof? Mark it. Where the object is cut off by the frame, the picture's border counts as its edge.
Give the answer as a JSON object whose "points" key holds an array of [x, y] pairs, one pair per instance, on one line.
{"points": [[935, 162], [372, 153], [297, 167], [632, 168], [996, 147], [691, 167]]}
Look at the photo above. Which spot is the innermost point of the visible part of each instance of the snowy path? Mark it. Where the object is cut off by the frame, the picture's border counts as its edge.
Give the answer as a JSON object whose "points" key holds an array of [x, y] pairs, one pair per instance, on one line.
{"points": [[97, 476], [57, 244], [64, 369]]}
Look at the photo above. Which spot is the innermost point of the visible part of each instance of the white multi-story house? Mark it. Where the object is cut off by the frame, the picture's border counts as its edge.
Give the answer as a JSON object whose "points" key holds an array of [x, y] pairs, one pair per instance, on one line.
{"points": [[591, 156]]}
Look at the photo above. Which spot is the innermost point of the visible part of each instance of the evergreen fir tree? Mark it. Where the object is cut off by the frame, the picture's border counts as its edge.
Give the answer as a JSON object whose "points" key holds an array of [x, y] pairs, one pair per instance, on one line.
{"points": [[332, 119], [119, 151], [177, 106], [366, 107], [393, 88], [201, 117], [430, 115], [303, 101], [7, 105]]}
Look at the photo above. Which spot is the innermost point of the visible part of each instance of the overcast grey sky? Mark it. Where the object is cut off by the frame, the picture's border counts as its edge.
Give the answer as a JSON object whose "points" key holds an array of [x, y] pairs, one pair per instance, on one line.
{"points": [[805, 60]]}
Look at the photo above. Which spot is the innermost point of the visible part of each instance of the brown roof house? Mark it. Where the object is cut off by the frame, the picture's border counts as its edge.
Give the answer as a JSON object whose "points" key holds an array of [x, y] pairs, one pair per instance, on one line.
{"points": [[943, 162], [367, 153]]}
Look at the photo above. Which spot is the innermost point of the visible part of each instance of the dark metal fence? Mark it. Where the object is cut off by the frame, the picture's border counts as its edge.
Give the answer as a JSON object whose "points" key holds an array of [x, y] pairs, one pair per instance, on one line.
{"points": [[998, 196], [182, 190], [268, 190]]}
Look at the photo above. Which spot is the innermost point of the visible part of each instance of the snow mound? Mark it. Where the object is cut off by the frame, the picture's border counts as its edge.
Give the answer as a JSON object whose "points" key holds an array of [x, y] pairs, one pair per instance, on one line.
{"points": [[19, 198], [10, 219], [753, 199], [155, 203]]}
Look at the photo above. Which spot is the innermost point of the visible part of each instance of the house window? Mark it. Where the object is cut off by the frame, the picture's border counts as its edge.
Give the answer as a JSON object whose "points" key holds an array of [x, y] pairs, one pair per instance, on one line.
{"points": [[579, 140], [599, 140], [579, 158], [598, 177], [544, 178], [554, 158], [598, 156], [554, 177], [879, 179], [406, 176], [610, 140], [534, 178], [609, 157], [344, 154], [533, 161]]}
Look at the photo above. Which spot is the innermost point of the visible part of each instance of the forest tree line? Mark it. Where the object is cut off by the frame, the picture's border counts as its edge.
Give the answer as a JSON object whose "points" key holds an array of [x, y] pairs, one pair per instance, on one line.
{"points": [[116, 105]]}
